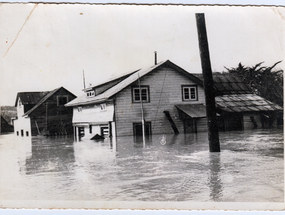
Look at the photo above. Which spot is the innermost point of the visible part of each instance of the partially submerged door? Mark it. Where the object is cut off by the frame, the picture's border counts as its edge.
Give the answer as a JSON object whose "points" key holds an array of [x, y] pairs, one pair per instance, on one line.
{"points": [[137, 130]]}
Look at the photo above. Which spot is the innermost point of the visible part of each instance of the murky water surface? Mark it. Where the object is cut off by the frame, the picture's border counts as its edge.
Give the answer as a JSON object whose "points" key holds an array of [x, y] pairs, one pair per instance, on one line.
{"points": [[170, 168]]}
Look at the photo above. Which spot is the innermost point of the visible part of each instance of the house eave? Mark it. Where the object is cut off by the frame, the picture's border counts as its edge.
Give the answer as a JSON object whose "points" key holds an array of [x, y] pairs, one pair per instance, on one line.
{"points": [[89, 102]]}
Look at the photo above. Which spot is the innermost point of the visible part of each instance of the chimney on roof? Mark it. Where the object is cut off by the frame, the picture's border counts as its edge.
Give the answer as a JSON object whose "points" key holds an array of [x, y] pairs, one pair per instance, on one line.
{"points": [[155, 58]]}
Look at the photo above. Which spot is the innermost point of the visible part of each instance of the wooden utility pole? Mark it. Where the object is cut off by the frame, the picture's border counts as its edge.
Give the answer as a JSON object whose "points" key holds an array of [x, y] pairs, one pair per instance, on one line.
{"points": [[143, 122], [213, 131]]}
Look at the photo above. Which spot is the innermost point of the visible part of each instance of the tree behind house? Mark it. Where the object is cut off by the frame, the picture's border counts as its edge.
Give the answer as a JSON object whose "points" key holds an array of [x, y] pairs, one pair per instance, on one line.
{"points": [[266, 82]]}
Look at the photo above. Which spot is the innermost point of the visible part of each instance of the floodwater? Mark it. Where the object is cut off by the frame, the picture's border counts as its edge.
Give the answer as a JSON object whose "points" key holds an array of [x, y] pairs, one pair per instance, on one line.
{"points": [[249, 168]]}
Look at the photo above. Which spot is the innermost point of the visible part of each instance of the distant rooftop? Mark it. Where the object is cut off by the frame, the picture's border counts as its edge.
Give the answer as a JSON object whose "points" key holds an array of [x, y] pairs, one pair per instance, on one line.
{"points": [[30, 98], [245, 103], [227, 83]]}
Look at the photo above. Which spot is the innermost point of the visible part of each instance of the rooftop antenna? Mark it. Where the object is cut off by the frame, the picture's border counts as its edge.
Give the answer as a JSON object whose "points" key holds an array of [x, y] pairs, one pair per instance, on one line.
{"points": [[84, 80]]}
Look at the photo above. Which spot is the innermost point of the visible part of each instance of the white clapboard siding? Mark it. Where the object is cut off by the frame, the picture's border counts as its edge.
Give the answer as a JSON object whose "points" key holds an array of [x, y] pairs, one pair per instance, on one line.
{"points": [[165, 91]]}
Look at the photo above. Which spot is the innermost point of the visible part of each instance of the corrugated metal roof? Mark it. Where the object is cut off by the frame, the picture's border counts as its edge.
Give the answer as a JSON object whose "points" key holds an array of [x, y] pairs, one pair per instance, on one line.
{"points": [[245, 103], [227, 83], [30, 98], [193, 110]]}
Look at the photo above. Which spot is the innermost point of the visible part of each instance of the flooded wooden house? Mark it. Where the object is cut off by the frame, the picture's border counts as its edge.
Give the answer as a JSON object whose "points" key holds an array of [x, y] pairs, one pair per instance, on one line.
{"points": [[168, 99], [43, 113]]}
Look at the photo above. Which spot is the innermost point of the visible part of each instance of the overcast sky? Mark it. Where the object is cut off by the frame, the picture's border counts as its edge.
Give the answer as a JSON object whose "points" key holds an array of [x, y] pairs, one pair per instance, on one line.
{"points": [[46, 46]]}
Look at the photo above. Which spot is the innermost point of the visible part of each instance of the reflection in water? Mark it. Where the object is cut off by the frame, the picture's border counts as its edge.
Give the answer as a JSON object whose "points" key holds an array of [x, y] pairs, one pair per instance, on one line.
{"points": [[50, 155], [215, 183], [169, 168]]}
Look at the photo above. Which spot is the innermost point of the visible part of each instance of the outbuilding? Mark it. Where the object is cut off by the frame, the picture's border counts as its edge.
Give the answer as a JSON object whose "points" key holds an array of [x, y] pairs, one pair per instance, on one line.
{"points": [[43, 113]]}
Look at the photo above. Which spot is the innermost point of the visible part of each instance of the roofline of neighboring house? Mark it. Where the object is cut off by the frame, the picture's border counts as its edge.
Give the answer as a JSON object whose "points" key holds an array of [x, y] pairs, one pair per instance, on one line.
{"points": [[143, 72], [42, 100], [17, 97], [110, 80]]}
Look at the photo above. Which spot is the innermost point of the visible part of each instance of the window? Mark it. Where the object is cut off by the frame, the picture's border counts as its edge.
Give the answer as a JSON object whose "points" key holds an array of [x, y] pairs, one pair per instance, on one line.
{"points": [[137, 131], [79, 108], [140, 94], [189, 93], [90, 94], [103, 107], [62, 100], [27, 133], [105, 131], [90, 129], [137, 128]]}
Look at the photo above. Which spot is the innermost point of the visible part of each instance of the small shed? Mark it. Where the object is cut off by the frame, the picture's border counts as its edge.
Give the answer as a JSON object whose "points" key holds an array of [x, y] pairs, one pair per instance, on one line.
{"points": [[238, 107]]}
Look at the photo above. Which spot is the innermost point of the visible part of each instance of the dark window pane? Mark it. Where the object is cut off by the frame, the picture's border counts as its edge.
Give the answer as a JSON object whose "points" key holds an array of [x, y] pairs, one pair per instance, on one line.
{"points": [[186, 93], [62, 100], [144, 94], [137, 95], [193, 93]]}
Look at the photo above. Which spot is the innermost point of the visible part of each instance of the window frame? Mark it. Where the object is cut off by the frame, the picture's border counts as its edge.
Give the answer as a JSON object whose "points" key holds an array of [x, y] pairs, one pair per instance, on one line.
{"points": [[103, 107], [90, 93], [140, 88], [189, 87], [61, 96]]}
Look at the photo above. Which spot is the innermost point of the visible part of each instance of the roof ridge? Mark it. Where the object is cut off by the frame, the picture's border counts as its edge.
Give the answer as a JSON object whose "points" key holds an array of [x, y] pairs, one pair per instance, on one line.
{"points": [[42, 100], [129, 80]]}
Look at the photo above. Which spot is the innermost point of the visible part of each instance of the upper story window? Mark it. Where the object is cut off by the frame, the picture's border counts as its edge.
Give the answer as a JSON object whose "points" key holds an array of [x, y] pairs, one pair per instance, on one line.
{"points": [[62, 100], [103, 107], [189, 93], [90, 93], [79, 108], [140, 94]]}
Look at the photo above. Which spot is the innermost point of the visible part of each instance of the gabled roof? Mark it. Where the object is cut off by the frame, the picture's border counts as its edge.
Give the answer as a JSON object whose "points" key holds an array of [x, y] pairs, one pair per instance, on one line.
{"points": [[83, 100], [227, 83], [115, 80], [48, 95], [245, 103], [45, 95], [30, 98]]}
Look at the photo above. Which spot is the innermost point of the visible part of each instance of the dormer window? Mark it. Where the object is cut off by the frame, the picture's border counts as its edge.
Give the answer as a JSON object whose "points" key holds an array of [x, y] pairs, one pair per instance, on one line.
{"points": [[90, 94]]}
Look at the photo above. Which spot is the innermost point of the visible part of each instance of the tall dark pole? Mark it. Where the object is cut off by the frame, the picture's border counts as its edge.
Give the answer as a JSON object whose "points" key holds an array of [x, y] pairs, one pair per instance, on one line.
{"points": [[213, 132]]}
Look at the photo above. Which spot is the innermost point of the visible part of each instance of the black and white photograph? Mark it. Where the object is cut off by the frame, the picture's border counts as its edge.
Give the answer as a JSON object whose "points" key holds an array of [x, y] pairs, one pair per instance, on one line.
{"points": [[134, 106]]}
